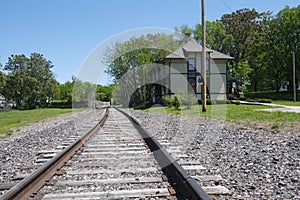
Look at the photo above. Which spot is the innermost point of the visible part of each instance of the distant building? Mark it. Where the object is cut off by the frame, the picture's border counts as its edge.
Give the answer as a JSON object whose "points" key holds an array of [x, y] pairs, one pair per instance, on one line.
{"points": [[181, 71], [2, 101]]}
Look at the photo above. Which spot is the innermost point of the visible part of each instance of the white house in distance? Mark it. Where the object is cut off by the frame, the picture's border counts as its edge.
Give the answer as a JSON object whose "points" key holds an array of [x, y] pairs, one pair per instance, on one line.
{"points": [[181, 71]]}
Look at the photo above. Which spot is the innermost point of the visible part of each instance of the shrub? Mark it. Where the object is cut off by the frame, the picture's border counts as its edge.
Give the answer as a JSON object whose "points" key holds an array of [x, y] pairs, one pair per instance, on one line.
{"points": [[250, 100], [265, 100], [168, 100], [222, 101], [210, 102], [237, 102], [176, 103], [172, 102]]}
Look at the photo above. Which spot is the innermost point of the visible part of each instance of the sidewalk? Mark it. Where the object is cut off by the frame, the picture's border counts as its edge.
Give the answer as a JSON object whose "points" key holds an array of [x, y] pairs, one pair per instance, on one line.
{"points": [[283, 108]]}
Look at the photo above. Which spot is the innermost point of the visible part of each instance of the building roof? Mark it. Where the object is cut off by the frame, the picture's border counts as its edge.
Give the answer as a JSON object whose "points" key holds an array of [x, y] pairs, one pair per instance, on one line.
{"points": [[219, 55], [179, 53], [191, 46]]}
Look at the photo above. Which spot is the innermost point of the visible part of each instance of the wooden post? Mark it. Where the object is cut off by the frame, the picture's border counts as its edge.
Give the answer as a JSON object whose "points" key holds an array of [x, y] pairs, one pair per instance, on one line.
{"points": [[294, 77], [203, 57]]}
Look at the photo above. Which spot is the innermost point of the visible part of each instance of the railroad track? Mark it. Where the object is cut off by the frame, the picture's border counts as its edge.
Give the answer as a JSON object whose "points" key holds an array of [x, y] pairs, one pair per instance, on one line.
{"points": [[115, 160]]}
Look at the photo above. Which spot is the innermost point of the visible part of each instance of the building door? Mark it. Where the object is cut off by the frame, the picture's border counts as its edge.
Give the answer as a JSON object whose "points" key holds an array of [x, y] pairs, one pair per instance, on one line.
{"points": [[192, 86]]}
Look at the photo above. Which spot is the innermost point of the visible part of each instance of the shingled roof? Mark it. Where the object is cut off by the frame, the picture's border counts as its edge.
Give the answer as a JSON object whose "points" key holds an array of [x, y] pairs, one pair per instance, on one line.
{"points": [[179, 53], [191, 46]]}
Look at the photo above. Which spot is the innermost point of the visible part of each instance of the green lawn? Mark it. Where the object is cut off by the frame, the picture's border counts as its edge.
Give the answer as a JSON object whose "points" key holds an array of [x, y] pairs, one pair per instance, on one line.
{"points": [[232, 112], [287, 103], [16, 118]]}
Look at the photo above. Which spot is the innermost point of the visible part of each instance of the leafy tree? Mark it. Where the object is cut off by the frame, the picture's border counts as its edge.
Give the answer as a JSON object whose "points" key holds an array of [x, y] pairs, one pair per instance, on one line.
{"points": [[242, 25], [66, 91], [279, 38], [216, 36], [136, 52], [132, 55], [256, 56], [241, 75], [286, 39], [182, 30], [2, 82], [83, 91], [30, 81], [104, 93]]}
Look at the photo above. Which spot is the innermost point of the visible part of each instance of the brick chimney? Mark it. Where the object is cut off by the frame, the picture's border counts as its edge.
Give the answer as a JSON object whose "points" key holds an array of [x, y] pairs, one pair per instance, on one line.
{"points": [[187, 37]]}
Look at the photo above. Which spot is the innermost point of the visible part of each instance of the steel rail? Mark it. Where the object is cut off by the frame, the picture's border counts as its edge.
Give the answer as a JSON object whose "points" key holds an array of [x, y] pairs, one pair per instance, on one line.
{"points": [[187, 186], [28, 187]]}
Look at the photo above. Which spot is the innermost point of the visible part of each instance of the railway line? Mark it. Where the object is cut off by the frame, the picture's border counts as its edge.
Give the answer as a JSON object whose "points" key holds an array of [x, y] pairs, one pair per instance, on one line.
{"points": [[117, 159]]}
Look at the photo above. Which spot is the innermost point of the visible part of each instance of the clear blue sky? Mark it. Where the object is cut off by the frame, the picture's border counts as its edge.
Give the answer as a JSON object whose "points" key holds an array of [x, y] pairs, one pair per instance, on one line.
{"points": [[66, 31]]}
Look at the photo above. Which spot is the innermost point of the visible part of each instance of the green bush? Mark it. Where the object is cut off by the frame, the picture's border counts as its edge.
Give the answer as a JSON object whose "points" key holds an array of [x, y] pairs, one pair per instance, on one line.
{"points": [[250, 100], [168, 100], [172, 102], [265, 100], [282, 95], [187, 99], [210, 102], [176, 103], [237, 102], [222, 101]]}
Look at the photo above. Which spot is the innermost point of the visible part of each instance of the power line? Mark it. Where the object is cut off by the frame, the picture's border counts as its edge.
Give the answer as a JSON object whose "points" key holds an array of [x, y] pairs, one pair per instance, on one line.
{"points": [[227, 5]]}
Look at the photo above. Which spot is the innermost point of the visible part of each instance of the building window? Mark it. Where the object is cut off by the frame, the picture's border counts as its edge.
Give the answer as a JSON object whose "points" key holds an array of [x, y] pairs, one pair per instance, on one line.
{"points": [[191, 64], [207, 67], [207, 64]]}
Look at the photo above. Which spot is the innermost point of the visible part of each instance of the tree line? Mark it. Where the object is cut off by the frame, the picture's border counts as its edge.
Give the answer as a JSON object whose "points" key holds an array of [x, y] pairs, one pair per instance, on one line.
{"points": [[29, 83], [262, 45]]}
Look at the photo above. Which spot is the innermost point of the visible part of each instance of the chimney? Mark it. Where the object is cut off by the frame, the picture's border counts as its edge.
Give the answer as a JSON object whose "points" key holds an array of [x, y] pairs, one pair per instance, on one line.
{"points": [[187, 37]]}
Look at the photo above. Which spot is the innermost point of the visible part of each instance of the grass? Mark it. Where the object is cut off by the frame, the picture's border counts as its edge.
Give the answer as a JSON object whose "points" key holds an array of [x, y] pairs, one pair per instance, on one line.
{"points": [[236, 113], [287, 103], [15, 118]]}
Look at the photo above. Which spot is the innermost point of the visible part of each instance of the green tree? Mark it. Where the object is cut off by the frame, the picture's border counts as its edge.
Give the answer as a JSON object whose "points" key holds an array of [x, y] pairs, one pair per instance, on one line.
{"points": [[286, 39], [280, 37], [182, 30], [241, 73], [256, 56], [132, 55], [2, 82], [83, 91], [242, 25], [104, 93], [66, 91], [216, 36], [30, 81]]}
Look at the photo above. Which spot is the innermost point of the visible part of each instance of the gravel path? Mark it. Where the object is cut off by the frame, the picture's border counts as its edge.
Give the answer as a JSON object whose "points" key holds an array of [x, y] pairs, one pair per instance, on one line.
{"points": [[256, 163]]}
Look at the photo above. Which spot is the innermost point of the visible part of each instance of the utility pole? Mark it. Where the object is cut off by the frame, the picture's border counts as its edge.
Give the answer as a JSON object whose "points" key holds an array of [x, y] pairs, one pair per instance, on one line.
{"points": [[203, 57], [294, 77]]}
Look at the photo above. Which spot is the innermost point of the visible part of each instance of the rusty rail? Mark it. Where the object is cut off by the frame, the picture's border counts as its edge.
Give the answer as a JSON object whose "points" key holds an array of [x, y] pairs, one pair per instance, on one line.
{"points": [[29, 186], [187, 186]]}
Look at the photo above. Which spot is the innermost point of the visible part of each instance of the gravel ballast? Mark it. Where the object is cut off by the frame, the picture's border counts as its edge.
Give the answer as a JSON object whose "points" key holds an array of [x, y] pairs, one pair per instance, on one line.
{"points": [[256, 163], [19, 152]]}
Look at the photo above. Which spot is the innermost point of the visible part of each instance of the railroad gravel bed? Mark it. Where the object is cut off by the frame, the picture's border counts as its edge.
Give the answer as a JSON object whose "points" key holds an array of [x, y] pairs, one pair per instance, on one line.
{"points": [[18, 153], [255, 163]]}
